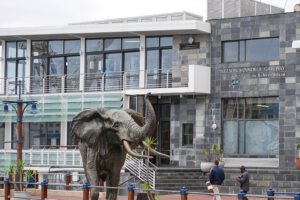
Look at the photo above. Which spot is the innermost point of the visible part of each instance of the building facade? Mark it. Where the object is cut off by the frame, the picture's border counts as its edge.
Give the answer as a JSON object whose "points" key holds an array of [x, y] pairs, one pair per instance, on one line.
{"points": [[235, 76]]}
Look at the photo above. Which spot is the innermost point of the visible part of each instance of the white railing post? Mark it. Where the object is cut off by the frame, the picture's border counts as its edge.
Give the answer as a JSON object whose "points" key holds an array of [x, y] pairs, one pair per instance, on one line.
{"points": [[103, 81], [73, 158], [42, 157], [65, 159], [167, 78], [43, 85], [57, 158], [63, 84], [124, 81], [146, 78], [7, 87]]}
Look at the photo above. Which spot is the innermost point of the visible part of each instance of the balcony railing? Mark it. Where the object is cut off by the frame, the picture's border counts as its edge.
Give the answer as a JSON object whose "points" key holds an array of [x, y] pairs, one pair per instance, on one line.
{"points": [[97, 82]]}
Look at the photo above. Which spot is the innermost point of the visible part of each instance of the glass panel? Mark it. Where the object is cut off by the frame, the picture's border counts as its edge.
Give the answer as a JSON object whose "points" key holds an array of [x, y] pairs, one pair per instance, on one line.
{"points": [[39, 48], [131, 43], [113, 71], [11, 76], [21, 73], [11, 50], [73, 71], [187, 133], [132, 64], [56, 47], [94, 45], [230, 129], [72, 46], [166, 59], [112, 44], [152, 42], [93, 80], [22, 49], [166, 41], [152, 68], [242, 50], [262, 137], [229, 108], [132, 102], [242, 137], [262, 49], [262, 108], [241, 108], [39, 70], [56, 71], [230, 51]]}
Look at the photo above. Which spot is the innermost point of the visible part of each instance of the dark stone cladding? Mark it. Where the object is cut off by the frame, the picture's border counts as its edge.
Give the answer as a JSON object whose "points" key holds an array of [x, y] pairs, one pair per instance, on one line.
{"points": [[259, 79]]}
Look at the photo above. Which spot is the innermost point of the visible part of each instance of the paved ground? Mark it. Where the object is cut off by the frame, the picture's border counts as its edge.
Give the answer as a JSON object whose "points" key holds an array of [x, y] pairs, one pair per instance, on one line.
{"points": [[164, 197]]}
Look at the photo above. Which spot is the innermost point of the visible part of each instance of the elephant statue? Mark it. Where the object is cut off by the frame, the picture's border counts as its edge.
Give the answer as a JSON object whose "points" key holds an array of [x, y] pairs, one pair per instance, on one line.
{"points": [[105, 137]]}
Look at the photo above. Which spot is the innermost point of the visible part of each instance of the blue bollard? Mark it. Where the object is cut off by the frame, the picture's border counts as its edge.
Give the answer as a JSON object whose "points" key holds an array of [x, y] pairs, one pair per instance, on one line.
{"points": [[130, 192], [270, 192], [183, 193], [131, 187], [241, 195], [297, 196]]}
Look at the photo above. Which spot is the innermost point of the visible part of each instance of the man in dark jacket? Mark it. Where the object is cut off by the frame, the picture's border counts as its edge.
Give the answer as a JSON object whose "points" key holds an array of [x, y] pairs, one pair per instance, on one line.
{"points": [[243, 180], [216, 178]]}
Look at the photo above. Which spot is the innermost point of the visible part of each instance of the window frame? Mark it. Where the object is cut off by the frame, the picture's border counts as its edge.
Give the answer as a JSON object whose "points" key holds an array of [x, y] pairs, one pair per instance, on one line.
{"points": [[189, 134], [245, 49], [244, 120]]}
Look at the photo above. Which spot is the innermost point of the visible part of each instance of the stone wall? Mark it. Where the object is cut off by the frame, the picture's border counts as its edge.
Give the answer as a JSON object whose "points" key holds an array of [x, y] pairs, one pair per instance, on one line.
{"points": [[260, 79]]}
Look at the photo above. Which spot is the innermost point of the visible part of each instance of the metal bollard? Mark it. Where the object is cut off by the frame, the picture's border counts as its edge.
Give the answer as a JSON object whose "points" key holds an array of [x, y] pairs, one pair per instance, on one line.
{"points": [[44, 190], [270, 193], [68, 180], [241, 195], [130, 192], [183, 193], [86, 191], [7, 189], [297, 196]]}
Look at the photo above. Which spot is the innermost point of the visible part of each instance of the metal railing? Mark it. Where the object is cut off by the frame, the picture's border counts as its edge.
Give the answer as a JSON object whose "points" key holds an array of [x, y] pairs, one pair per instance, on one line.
{"points": [[94, 82], [138, 168]]}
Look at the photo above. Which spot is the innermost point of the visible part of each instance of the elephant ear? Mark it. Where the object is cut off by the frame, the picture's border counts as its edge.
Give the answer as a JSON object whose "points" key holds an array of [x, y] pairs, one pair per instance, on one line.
{"points": [[137, 117], [86, 116]]}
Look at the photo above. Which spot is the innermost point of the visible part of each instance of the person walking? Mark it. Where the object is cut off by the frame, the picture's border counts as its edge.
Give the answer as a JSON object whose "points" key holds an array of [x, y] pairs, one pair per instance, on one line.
{"points": [[216, 178], [243, 180]]}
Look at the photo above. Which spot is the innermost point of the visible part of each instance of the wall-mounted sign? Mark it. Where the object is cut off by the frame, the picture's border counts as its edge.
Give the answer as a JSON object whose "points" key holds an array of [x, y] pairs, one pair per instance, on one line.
{"points": [[188, 46]]}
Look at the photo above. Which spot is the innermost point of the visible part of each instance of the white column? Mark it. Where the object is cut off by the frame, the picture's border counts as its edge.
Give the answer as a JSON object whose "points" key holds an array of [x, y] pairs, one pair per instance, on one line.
{"points": [[142, 61], [28, 68], [63, 133], [2, 68], [82, 62], [7, 135], [126, 102]]}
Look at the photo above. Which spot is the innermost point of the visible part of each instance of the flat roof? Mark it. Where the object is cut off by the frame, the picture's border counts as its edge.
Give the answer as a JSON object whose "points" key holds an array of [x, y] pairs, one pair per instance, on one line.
{"points": [[185, 23]]}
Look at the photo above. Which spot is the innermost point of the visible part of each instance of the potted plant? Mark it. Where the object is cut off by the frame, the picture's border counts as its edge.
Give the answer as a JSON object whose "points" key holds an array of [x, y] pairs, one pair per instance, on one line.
{"points": [[20, 193], [10, 172], [214, 152], [298, 158]]}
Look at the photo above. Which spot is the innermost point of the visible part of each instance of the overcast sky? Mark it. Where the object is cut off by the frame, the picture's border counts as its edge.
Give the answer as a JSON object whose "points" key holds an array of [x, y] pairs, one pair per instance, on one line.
{"points": [[20, 13]]}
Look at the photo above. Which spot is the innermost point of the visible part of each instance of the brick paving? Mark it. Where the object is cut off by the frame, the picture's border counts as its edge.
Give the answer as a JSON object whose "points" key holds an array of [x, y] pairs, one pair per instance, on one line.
{"points": [[161, 197]]}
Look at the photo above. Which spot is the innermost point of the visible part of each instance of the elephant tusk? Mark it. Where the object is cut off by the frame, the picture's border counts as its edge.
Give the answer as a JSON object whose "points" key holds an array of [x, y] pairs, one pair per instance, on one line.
{"points": [[155, 152], [128, 149]]}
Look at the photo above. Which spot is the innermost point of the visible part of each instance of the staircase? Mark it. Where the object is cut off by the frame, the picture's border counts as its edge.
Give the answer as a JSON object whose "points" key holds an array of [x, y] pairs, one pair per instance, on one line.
{"points": [[176, 178]]}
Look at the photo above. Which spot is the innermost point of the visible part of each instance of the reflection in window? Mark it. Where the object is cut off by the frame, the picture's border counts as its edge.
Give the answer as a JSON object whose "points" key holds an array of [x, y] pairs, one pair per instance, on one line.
{"points": [[72, 46], [94, 45], [251, 50], [22, 49], [39, 48], [131, 43], [152, 42], [187, 134], [56, 47], [11, 50], [112, 44], [131, 67], [255, 130], [152, 60]]}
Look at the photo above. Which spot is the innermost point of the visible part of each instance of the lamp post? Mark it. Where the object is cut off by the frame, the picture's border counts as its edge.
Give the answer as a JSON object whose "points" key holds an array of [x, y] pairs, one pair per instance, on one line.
{"points": [[20, 111]]}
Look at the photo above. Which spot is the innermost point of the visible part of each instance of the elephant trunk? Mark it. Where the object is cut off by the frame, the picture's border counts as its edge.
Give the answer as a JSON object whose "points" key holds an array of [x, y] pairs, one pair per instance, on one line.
{"points": [[139, 133]]}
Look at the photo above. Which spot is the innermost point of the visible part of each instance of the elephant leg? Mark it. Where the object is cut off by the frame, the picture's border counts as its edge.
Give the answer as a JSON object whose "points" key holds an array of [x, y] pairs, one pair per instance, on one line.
{"points": [[91, 174], [83, 152]]}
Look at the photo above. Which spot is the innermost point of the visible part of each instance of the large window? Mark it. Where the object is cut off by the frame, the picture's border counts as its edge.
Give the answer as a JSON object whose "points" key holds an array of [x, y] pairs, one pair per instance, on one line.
{"points": [[55, 65], [250, 126], [187, 134], [251, 50], [107, 59], [15, 64], [158, 60], [44, 133]]}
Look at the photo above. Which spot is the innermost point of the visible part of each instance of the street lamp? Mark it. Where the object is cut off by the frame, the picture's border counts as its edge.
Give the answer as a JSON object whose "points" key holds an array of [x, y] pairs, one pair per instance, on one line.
{"points": [[20, 111]]}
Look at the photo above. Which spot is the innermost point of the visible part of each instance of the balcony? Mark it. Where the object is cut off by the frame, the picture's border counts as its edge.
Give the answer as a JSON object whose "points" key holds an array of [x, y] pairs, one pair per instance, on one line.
{"points": [[192, 79]]}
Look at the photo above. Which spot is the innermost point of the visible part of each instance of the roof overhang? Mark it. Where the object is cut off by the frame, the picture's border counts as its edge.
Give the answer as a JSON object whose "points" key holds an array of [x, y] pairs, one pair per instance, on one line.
{"points": [[106, 30]]}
